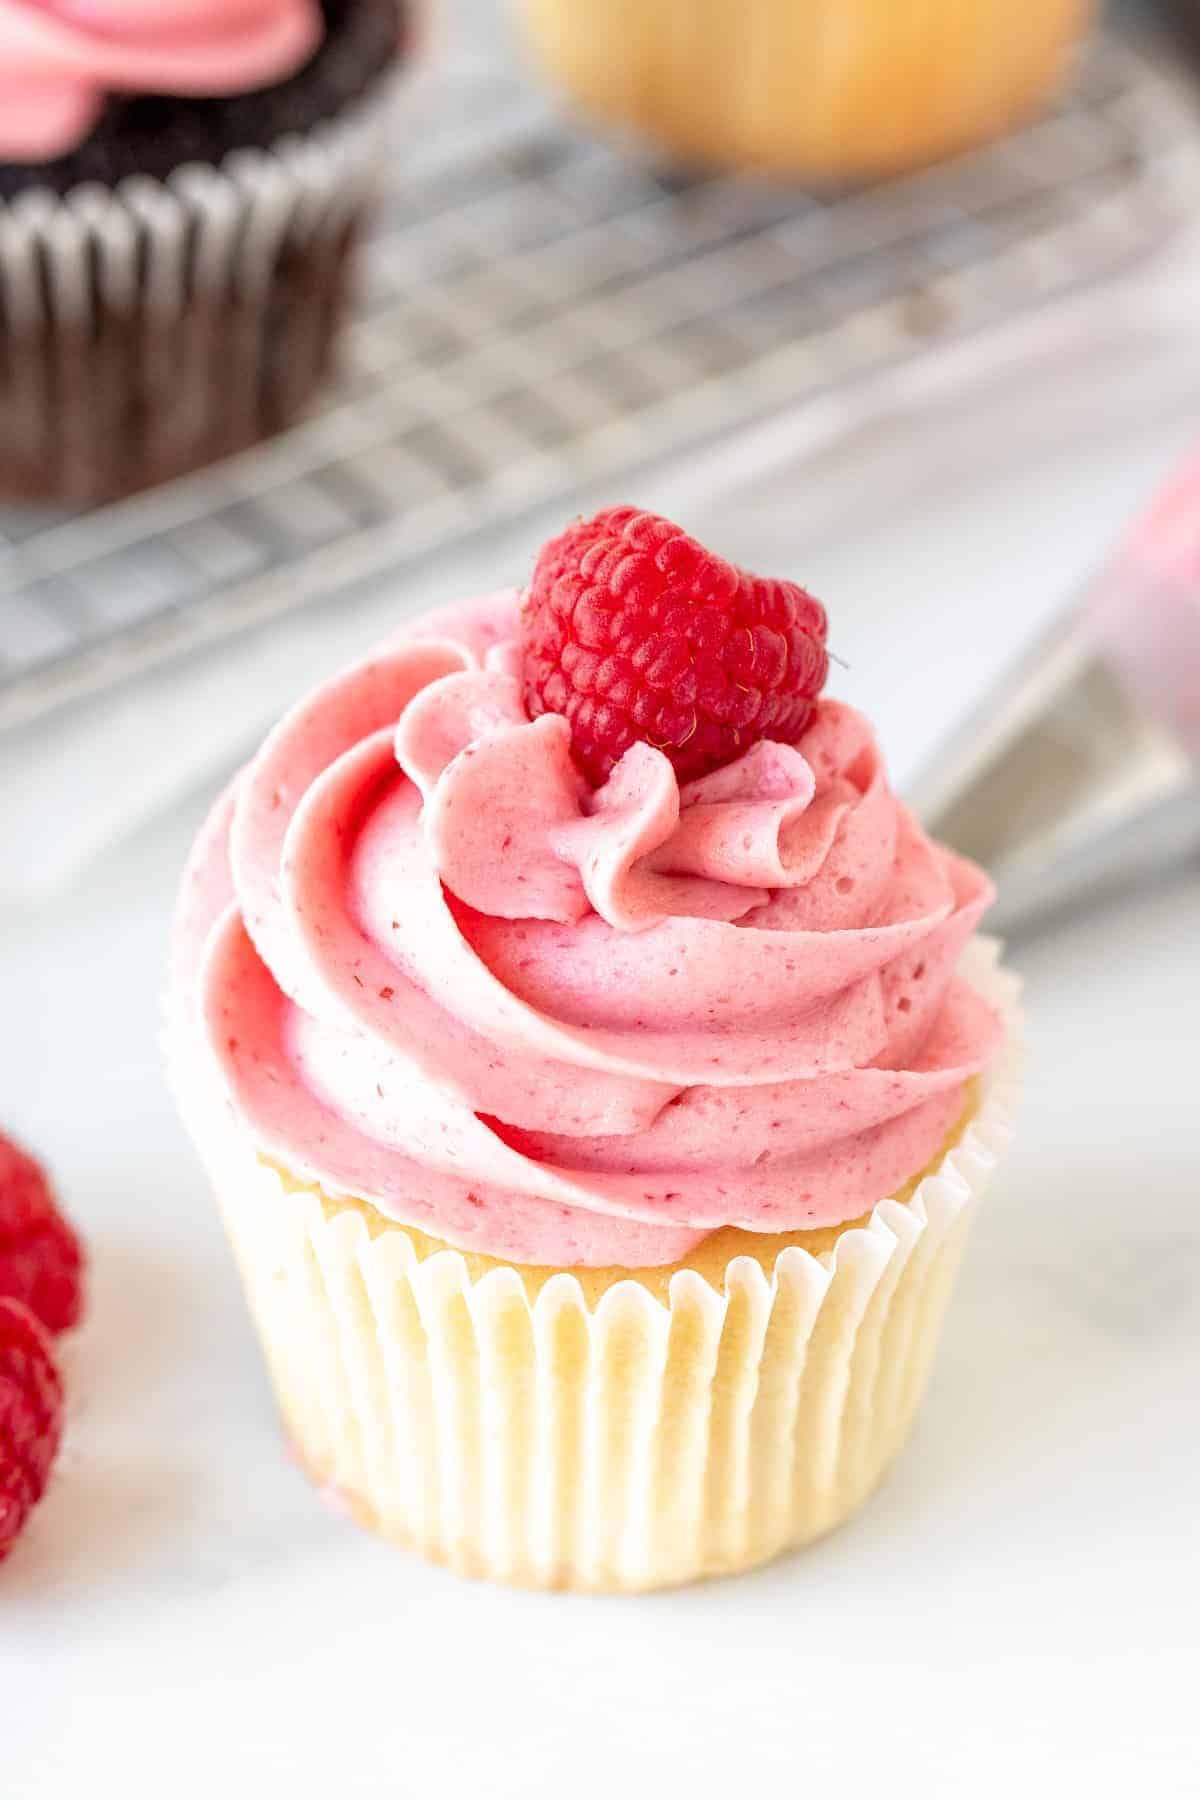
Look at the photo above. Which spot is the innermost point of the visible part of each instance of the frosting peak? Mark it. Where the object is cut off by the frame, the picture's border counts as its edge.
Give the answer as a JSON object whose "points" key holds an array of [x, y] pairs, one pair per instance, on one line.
{"points": [[60, 58], [570, 1025]]}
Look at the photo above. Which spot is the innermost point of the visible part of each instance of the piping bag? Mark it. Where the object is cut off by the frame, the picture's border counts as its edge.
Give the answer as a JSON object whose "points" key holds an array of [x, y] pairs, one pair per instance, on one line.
{"points": [[1079, 775]]}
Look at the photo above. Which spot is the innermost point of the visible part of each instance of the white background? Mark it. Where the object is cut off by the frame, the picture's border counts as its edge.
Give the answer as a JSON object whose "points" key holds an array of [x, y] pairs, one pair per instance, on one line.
{"points": [[1016, 1610]]}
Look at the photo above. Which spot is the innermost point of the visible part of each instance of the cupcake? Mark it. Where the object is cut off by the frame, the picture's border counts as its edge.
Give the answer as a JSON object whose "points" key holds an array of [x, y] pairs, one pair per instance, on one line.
{"points": [[181, 191], [823, 89], [597, 1072]]}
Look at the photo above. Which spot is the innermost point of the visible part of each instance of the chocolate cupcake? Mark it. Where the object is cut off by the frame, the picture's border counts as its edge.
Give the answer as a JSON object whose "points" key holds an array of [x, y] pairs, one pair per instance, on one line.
{"points": [[181, 194]]}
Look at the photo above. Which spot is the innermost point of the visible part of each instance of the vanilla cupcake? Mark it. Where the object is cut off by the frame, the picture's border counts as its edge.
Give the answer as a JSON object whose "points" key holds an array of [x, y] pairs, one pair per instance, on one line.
{"points": [[595, 1073], [812, 88], [182, 190]]}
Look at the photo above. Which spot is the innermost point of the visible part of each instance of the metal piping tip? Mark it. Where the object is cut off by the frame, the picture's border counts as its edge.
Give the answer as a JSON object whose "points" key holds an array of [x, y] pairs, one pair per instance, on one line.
{"points": [[1079, 776]]}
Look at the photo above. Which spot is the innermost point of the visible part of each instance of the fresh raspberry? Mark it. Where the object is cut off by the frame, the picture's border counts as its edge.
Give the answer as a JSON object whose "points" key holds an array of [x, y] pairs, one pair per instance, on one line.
{"points": [[31, 1416], [41, 1260], [633, 630]]}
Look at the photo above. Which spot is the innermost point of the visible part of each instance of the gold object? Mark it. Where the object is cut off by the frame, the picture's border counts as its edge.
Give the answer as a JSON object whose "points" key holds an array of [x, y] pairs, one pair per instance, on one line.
{"points": [[822, 89]]}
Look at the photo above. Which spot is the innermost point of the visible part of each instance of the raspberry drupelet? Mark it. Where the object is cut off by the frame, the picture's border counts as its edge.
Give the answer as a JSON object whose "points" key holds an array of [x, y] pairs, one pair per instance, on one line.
{"points": [[41, 1258], [31, 1417]]}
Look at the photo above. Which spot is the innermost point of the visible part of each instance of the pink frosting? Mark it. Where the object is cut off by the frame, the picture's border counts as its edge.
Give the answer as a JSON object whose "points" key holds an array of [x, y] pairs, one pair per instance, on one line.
{"points": [[1146, 614], [59, 58], [564, 1026]]}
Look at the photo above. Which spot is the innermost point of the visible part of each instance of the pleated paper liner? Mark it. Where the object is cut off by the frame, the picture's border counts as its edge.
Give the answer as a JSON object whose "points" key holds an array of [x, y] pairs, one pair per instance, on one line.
{"points": [[601, 1429], [149, 328]]}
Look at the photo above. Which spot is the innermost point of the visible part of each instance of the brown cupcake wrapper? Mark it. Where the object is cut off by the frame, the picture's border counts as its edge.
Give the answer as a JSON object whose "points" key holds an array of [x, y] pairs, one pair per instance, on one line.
{"points": [[149, 328], [503, 1427]]}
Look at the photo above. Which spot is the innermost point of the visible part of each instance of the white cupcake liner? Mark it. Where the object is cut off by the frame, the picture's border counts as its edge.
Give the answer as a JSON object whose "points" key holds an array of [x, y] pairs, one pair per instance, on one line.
{"points": [[164, 289], [501, 1425]]}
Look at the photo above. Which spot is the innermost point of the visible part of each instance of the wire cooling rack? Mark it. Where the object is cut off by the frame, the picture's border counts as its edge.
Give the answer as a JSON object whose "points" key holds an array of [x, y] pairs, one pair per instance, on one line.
{"points": [[539, 312]]}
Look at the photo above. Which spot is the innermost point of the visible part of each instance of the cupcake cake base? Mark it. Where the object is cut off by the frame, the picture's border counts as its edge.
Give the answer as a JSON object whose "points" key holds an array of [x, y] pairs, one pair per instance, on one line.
{"points": [[831, 90], [608, 1430]]}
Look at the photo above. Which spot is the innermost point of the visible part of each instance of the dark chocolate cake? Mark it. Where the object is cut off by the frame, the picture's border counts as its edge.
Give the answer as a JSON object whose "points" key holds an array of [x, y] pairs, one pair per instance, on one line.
{"points": [[153, 134]]}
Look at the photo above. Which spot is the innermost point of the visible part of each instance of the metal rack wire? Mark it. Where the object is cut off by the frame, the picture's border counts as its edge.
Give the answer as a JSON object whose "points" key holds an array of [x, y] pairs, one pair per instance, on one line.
{"points": [[539, 312]]}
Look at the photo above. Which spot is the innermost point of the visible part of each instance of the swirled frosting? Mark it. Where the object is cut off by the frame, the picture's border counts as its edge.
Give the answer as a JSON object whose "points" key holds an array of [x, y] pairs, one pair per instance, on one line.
{"points": [[60, 58], [438, 971]]}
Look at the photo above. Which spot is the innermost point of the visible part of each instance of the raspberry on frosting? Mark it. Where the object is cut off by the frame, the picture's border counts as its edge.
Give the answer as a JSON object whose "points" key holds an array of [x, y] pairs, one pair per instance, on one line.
{"points": [[31, 1416], [429, 964], [635, 632]]}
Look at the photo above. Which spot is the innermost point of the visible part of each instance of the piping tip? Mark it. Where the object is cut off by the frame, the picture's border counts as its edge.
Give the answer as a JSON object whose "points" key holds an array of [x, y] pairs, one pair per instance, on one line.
{"points": [[1079, 775]]}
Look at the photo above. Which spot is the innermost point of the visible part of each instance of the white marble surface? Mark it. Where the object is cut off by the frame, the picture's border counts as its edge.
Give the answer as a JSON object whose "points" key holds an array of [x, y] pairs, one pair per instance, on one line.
{"points": [[1017, 1606], [1017, 1609]]}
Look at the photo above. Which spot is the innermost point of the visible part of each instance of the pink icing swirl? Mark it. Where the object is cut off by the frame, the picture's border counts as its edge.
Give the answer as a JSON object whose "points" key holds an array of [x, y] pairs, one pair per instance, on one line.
{"points": [[60, 58], [563, 1026]]}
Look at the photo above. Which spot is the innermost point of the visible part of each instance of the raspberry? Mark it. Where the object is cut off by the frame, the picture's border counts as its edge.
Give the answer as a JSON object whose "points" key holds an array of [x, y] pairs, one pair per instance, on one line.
{"points": [[31, 1415], [633, 630], [41, 1261]]}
